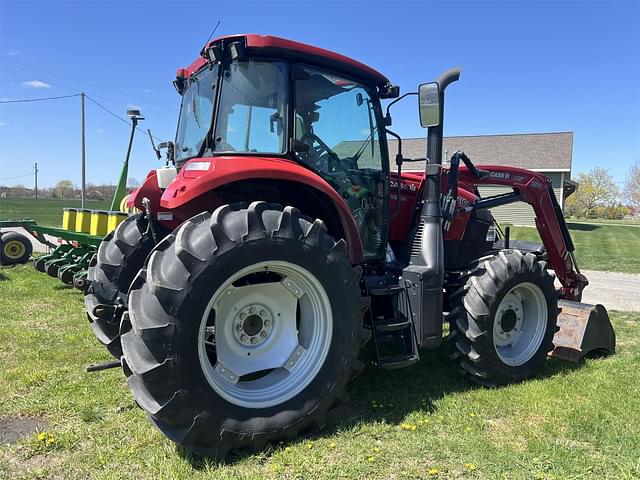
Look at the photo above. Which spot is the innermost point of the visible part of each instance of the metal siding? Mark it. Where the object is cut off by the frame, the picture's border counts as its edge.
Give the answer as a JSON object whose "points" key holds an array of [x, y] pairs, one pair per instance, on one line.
{"points": [[518, 213]]}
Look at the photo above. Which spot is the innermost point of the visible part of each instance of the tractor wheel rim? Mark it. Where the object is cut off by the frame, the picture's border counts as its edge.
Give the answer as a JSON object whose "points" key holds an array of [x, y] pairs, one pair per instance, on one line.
{"points": [[265, 334], [519, 324], [13, 249]]}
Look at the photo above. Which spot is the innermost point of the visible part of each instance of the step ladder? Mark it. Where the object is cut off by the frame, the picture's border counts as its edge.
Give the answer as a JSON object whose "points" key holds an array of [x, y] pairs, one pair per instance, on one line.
{"points": [[394, 343]]}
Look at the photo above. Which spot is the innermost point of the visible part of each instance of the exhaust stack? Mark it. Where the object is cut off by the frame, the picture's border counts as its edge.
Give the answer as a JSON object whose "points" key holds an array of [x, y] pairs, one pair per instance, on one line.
{"points": [[425, 274]]}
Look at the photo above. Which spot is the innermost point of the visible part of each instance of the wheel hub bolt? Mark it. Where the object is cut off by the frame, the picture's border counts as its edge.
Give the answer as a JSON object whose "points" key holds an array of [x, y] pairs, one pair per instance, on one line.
{"points": [[243, 316], [244, 338], [254, 340], [252, 310], [263, 313], [267, 323], [263, 334]]}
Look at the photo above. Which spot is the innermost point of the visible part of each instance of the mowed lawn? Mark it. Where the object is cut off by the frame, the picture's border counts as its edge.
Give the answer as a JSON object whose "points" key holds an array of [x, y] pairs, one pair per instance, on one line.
{"points": [[612, 248], [572, 422], [46, 211]]}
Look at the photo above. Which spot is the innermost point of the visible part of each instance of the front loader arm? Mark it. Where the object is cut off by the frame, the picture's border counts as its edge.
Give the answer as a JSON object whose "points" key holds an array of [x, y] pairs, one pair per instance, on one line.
{"points": [[535, 189]]}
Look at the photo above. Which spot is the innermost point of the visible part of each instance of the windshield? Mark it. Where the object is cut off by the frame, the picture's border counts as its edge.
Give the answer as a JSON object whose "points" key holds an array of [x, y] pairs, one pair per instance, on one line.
{"points": [[195, 114], [252, 111]]}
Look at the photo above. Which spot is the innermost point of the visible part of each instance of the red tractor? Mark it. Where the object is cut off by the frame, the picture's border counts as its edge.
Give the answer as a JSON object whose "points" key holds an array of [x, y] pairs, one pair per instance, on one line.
{"points": [[281, 243]]}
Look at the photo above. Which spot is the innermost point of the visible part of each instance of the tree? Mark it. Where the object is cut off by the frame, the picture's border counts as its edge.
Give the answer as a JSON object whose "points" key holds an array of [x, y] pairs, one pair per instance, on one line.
{"points": [[632, 185], [62, 187], [595, 189]]}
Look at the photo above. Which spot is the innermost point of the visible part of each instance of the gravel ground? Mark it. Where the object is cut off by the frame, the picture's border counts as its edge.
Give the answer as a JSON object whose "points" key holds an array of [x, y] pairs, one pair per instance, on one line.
{"points": [[616, 291], [37, 246]]}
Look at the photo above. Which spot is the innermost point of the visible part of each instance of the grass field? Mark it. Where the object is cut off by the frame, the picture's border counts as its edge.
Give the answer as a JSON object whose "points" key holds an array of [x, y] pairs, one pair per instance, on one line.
{"points": [[613, 248], [598, 247], [573, 422], [45, 211]]}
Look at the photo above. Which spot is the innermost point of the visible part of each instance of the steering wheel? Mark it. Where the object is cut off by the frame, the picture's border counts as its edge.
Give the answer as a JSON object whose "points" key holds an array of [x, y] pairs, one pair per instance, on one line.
{"points": [[333, 159]]}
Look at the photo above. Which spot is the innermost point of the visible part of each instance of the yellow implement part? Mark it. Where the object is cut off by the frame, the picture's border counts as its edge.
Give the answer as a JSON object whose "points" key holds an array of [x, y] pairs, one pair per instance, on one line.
{"points": [[69, 218], [83, 220], [99, 221], [115, 218]]}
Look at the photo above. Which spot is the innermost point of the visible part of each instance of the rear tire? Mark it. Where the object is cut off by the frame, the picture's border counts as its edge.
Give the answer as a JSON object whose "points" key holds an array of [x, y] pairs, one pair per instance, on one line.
{"points": [[16, 248], [177, 311], [505, 317], [120, 256]]}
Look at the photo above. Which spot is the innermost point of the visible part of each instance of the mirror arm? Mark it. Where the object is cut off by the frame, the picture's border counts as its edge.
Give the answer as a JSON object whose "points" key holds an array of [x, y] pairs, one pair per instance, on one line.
{"points": [[386, 116]]}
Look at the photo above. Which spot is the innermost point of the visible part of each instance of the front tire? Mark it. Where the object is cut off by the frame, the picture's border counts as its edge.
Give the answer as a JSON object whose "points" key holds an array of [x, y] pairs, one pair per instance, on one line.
{"points": [[505, 318], [243, 328]]}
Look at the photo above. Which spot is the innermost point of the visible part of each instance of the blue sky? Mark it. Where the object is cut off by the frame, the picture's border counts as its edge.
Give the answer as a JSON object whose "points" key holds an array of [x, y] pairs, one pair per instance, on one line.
{"points": [[527, 67]]}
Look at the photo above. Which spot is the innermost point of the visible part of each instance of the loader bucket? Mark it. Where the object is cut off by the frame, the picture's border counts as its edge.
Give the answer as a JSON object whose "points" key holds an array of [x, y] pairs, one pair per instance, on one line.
{"points": [[583, 330]]}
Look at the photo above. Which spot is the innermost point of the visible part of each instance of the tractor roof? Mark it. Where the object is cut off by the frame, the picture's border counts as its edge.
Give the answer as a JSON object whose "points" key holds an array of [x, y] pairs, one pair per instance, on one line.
{"points": [[269, 46]]}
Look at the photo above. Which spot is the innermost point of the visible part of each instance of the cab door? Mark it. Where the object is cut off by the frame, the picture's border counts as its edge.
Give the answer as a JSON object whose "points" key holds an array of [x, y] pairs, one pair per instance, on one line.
{"points": [[337, 127]]}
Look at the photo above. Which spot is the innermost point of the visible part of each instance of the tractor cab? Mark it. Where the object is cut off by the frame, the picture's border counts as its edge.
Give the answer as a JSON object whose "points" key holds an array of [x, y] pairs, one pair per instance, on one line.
{"points": [[261, 96]]}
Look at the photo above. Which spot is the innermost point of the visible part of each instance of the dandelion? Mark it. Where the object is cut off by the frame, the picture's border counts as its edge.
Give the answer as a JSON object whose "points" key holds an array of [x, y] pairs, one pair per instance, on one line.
{"points": [[433, 472], [287, 449], [409, 426], [371, 459], [376, 449], [472, 415], [310, 445], [42, 436], [470, 467], [275, 468], [333, 445]]}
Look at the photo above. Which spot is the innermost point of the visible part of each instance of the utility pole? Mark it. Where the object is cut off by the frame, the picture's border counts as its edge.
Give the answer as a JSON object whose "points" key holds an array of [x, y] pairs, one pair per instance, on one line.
{"points": [[82, 149], [35, 171]]}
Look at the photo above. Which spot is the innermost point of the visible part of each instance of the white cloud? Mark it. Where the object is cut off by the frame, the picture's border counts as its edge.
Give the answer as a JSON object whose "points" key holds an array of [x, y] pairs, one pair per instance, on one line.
{"points": [[36, 84], [13, 52], [147, 90], [2, 124], [100, 130], [5, 99]]}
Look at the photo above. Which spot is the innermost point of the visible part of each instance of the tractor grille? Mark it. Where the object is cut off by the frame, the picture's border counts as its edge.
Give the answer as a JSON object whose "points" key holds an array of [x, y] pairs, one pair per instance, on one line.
{"points": [[417, 240]]}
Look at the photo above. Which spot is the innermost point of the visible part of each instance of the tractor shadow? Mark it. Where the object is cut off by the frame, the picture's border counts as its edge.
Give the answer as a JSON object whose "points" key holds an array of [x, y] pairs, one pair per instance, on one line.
{"points": [[389, 396], [583, 227]]}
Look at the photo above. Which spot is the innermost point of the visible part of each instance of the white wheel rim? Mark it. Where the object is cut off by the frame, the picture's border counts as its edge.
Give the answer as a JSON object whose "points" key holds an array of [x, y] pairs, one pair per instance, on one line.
{"points": [[260, 344], [519, 324]]}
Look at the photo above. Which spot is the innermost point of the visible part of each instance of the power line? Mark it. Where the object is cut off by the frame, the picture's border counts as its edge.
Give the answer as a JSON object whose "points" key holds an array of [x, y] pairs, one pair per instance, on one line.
{"points": [[25, 100], [113, 100], [123, 120], [75, 79], [18, 176]]}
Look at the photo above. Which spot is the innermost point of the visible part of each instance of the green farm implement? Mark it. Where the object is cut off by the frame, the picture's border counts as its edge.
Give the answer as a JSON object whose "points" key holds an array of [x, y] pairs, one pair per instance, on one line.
{"points": [[69, 258], [77, 241]]}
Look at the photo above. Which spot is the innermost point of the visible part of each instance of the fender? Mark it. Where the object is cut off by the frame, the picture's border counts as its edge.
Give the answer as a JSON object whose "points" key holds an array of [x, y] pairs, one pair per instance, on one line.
{"points": [[202, 176], [148, 189]]}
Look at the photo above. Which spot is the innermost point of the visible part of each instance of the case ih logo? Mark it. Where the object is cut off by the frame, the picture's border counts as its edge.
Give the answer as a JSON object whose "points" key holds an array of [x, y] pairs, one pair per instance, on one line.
{"points": [[504, 175], [404, 186]]}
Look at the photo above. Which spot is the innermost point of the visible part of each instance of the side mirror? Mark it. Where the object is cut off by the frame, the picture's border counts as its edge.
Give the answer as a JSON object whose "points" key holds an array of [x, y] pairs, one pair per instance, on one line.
{"points": [[429, 104]]}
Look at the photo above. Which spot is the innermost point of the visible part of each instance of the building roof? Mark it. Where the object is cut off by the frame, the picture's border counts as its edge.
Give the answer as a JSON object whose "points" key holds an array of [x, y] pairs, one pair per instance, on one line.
{"points": [[534, 151]]}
